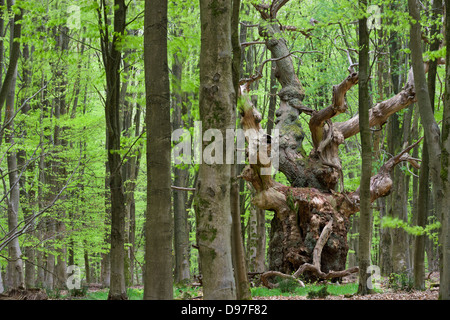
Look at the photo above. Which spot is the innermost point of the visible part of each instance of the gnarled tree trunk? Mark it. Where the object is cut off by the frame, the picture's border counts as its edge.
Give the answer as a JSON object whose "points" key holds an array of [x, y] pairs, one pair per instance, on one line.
{"points": [[303, 209]]}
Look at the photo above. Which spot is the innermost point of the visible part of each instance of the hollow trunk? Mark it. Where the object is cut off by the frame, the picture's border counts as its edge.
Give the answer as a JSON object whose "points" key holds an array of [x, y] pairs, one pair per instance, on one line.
{"points": [[306, 207]]}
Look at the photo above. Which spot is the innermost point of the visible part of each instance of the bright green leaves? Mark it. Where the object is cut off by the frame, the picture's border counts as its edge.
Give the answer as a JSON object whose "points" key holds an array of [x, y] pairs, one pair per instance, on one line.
{"points": [[431, 229]]}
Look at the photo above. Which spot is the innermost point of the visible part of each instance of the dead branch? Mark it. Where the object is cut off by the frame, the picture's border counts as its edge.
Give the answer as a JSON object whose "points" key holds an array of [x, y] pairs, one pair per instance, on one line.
{"points": [[246, 82], [338, 106], [306, 32], [247, 44], [317, 254], [314, 267], [182, 188], [381, 183], [249, 25], [379, 114], [276, 6]]}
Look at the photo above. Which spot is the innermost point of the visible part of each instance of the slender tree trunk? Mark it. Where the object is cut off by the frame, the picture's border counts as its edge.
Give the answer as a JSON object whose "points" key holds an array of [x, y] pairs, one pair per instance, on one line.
{"points": [[256, 240], [106, 257], [15, 265], [272, 99], [239, 261], [112, 60], [181, 177], [422, 212], [159, 224], [366, 165], [27, 177], [444, 288], [431, 129]]}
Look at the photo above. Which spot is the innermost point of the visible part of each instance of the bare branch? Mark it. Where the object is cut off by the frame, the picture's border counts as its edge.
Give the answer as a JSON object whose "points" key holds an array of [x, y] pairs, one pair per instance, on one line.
{"points": [[13, 234], [259, 72], [247, 44], [276, 6], [182, 188]]}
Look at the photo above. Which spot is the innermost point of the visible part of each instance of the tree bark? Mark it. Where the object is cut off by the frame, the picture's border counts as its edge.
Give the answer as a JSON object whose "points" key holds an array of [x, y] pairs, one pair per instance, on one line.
{"points": [[303, 209], [437, 154], [181, 177], [217, 111], [444, 287], [29, 195], [15, 264], [422, 212], [238, 252], [112, 58], [158, 283], [365, 221]]}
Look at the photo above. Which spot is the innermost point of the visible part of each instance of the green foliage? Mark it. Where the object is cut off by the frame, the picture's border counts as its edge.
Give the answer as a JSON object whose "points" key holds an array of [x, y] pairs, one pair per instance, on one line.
{"points": [[318, 294], [185, 292], [332, 289], [401, 282], [78, 293], [287, 285], [291, 202], [431, 230], [53, 294], [77, 77]]}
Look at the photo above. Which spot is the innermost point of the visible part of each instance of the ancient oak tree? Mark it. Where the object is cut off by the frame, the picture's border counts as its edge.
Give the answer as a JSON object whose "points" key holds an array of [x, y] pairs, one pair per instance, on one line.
{"points": [[309, 229]]}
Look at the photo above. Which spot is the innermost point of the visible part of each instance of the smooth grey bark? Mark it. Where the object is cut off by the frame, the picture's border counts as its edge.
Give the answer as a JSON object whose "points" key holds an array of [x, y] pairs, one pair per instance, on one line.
{"points": [[256, 240], [399, 205], [217, 111], [181, 177], [158, 282]]}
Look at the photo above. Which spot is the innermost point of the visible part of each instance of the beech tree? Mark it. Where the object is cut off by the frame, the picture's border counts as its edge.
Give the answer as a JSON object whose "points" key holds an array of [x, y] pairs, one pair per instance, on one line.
{"points": [[365, 224], [7, 96], [217, 111], [159, 222], [444, 288], [112, 58], [437, 152]]}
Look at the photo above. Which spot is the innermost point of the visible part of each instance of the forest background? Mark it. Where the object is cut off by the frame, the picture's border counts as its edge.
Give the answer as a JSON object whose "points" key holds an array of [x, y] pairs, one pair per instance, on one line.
{"points": [[56, 158]]}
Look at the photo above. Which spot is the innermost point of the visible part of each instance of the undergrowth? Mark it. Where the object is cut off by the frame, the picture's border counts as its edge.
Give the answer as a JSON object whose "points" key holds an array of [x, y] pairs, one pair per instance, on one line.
{"points": [[310, 290], [287, 287]]}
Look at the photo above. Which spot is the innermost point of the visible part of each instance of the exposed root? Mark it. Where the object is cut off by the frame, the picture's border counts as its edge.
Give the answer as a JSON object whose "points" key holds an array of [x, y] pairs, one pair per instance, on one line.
{"points": [[314, 268]]}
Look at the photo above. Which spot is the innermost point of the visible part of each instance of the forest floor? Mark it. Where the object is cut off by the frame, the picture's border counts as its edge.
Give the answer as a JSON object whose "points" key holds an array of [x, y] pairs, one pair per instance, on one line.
{"points": [[385, 291], [430, 294]]}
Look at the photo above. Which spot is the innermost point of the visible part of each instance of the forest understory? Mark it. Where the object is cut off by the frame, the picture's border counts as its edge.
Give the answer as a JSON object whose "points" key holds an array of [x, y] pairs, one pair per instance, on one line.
{"points": [[385, 289]]}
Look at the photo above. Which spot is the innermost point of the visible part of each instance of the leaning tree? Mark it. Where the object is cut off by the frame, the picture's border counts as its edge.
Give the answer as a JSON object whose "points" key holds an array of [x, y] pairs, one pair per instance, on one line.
{"points": [[311, 221]]}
